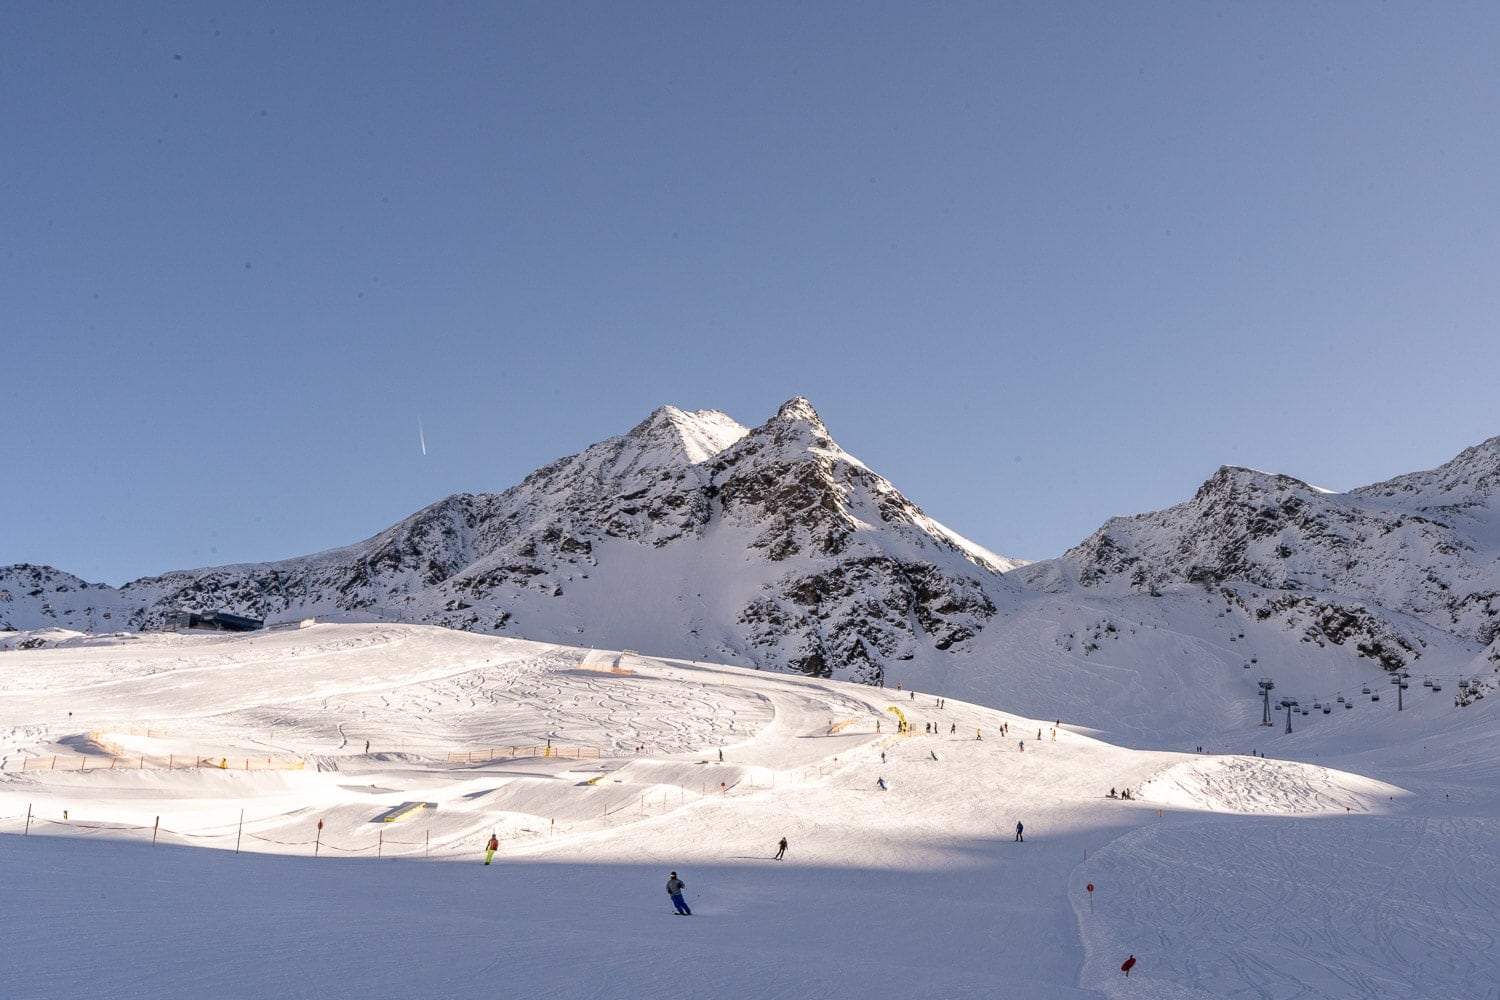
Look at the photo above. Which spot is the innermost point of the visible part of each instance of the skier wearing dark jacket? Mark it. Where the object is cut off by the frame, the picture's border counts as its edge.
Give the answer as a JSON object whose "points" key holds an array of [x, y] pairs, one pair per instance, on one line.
{"points": [[674, 889]]}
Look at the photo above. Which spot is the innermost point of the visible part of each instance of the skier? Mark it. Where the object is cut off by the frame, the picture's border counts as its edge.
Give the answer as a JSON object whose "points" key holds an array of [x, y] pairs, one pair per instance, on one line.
{"points": [[1019, 828], [1023, 746], [674, 889], [882, 756], [491, 848], [367, 746], [880, 783], [1127, 966], [721, 756], [781, 849]]}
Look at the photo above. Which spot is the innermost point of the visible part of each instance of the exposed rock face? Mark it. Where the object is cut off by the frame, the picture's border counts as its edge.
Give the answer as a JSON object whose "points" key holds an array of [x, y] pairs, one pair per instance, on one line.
{"points": [[1424, 545], [810, 561]]}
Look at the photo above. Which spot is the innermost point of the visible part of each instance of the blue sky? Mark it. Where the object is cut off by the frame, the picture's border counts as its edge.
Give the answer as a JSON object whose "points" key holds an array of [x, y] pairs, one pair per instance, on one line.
{"points": [[1038, 264]]}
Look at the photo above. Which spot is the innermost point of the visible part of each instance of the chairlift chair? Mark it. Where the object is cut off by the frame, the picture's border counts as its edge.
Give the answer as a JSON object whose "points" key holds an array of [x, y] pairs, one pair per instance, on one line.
{"points": [[1366, 691], [1374, 697]]}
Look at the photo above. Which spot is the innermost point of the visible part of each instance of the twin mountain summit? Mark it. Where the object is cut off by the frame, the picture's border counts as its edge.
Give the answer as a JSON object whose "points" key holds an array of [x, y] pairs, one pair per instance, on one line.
{"points": [[693, 536]]}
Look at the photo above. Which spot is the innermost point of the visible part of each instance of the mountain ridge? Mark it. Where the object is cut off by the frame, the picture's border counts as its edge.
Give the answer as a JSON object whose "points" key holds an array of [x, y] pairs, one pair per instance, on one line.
{"points": [[694, 536]]}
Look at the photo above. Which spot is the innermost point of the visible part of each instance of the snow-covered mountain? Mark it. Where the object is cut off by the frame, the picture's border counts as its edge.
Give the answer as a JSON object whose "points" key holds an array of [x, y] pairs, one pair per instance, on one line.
{"points": [[690, 535], [693, 536], [1425, 544], [1350, 567]]}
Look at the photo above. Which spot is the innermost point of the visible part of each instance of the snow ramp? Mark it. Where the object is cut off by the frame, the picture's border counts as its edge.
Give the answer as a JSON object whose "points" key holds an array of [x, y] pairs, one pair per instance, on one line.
{"points": [[1238, 784]]}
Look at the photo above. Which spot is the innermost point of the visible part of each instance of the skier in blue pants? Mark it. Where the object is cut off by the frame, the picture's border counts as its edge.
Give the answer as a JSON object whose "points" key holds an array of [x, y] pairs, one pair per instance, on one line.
{"points": [[674, 889]]}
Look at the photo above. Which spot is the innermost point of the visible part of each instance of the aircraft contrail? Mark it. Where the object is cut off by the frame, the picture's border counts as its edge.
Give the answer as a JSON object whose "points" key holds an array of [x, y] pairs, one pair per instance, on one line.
{"points": [[420, 436]]}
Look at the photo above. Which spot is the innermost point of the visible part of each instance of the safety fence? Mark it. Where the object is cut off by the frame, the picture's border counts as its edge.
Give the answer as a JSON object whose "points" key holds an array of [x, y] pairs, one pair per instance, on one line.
{"points": [[143, 762], [115, 758], [607, 668], [505, 753], [238, 838], [100, 737]]}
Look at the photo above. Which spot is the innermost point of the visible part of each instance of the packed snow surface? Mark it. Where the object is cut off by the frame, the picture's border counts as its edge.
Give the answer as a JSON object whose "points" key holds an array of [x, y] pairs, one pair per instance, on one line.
{"points": [[290, 859]]}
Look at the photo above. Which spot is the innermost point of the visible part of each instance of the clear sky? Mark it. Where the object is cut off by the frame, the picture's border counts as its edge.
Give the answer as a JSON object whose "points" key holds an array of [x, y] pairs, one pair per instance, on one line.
{"points": [[1037, 263]]}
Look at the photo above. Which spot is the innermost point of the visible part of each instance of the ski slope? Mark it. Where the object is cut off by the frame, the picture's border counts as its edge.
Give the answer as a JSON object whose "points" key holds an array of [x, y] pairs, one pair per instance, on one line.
{"points": [[1351, 872]]}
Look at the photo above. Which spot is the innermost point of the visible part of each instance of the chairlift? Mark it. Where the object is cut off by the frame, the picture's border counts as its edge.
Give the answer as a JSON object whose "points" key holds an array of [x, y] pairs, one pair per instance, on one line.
{"points": [[1374, 697], [1348, 704], [1304, 710], [1437, 685], [1341, 700], [1427, 683], [1366, 691], [1317, 704], [1328, 708]]}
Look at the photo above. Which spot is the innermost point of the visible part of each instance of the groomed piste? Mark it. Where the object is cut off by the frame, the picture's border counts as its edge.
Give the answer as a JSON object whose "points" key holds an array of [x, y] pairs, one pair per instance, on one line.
{"points": [[359, 875]]}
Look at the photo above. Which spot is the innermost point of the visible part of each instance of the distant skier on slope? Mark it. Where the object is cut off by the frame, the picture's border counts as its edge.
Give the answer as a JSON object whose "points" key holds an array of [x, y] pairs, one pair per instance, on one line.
{"points": [[491, 848], [1019, 837], [675, 886], [781, 849]]}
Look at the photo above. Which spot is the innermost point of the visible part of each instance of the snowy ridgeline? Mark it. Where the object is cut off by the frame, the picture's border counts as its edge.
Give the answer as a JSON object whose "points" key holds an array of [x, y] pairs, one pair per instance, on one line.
{"points": [[695, 537], [1354, 872]]}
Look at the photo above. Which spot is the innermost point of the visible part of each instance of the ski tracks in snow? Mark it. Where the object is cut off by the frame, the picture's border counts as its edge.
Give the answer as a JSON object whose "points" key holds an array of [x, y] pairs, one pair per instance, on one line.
{"points": [[1223, 908]]}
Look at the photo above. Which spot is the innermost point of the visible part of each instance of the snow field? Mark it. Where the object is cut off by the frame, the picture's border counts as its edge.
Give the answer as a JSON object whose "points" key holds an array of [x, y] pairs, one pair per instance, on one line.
{"points": [[1226, 876]]}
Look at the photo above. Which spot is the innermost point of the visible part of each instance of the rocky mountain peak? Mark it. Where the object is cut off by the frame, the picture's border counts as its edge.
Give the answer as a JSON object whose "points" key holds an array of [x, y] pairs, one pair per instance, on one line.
{"points": [[1470, 480], [797, 425], [799, 409], [677, 437]]}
